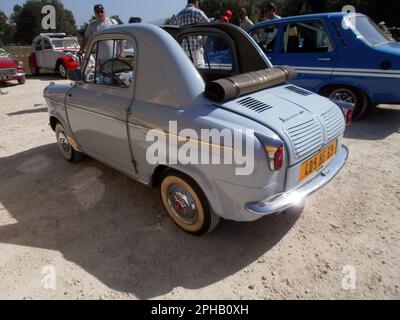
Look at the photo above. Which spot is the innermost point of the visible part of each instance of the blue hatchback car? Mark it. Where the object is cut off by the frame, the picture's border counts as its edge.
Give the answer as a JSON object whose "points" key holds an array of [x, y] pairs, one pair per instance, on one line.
{"points": [[342, 56]]}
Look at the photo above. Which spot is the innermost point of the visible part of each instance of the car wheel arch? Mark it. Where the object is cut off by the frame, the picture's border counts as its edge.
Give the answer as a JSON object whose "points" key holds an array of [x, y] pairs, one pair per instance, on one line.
{"points": [[194, 174], [359, 88], [53, 122]]}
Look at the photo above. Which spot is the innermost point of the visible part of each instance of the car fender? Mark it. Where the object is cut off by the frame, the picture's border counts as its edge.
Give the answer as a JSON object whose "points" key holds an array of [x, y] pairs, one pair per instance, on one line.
{"points": [[206, 185], [68, 62], [344, 82], [32, 60]]}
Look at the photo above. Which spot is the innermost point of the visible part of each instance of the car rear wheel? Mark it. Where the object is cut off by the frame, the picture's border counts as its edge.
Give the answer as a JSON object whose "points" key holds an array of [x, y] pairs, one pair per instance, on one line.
{"points": [[350, 95], [186, 204], [68, 152], [62, 70], [35, 71]]}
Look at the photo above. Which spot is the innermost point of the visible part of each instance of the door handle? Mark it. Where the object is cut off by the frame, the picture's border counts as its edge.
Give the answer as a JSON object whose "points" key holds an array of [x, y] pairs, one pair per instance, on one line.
{"points": [[70, 95], [324, 59]]}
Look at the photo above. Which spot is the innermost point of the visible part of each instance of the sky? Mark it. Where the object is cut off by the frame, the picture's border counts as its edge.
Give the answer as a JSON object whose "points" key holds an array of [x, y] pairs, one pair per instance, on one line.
{"points": [[148, 10]]}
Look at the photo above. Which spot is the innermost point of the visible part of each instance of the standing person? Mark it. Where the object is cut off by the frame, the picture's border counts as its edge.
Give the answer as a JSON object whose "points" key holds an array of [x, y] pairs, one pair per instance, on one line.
{"points": [[245, 22], [191, 14], [385, 29], [102, 22], [106, 50], [270, 12], [193, 47], [227, 16]]}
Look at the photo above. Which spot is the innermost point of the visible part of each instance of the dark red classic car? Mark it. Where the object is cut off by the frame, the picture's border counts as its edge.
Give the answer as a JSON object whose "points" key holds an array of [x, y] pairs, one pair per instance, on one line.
{"points": [[10, 68]]}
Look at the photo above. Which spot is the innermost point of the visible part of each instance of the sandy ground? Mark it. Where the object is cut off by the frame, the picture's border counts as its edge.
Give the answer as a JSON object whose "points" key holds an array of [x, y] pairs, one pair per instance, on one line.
{"points": [[86, 231]]}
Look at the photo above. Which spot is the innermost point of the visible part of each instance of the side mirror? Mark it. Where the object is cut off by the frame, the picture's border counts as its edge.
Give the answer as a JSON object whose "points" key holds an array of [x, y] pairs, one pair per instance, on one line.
{"points": [[75, 75]]}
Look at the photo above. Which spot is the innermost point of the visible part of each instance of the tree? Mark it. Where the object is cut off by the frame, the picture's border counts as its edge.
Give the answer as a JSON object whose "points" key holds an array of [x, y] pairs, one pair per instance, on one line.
{"points": [[135, 20], [28, 20], [116, 17], [6, 29], [377, 10]]}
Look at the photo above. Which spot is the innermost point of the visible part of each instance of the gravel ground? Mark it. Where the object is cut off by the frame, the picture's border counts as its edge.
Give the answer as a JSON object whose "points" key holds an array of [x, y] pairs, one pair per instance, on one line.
{"points": [[86, 231]]}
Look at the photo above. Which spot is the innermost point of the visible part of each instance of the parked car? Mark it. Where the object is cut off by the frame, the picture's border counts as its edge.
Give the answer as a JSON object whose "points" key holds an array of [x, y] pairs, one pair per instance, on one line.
{"points": [[54, 51], [11, 68], [112, 108], [346, 57]]}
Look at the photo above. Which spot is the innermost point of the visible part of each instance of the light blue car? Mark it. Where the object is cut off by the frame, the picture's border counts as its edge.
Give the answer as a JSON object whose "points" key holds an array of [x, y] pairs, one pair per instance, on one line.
{"points": [[345, 57], [177, 89]]}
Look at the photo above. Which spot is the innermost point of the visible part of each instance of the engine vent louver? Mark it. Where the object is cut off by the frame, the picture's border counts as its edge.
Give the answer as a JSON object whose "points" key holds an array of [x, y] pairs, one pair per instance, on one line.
{"points": [[334, 123], [306, 137], [255, 105], [299, 91]]}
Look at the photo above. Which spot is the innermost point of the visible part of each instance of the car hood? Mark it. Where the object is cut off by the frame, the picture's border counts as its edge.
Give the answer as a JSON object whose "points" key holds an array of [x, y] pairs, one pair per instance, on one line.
{"points": [[7, 63], [305, 121]]}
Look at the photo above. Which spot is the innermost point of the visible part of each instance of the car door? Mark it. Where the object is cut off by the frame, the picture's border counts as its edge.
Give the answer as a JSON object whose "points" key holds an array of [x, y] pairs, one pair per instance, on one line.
{"points": [[49, 56], [307, 46], [268, 38], [39, 54], [97, 107]]}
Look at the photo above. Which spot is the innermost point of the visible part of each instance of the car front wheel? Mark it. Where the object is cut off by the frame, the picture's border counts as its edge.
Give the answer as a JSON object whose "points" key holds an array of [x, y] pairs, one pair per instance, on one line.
{"points": [[350, 95], [22, 80], [35, 71], [186, 204], [68, 152]]}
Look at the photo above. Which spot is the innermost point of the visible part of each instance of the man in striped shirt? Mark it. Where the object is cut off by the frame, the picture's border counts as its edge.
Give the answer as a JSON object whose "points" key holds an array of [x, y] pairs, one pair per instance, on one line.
{"points": [[193, 45]]}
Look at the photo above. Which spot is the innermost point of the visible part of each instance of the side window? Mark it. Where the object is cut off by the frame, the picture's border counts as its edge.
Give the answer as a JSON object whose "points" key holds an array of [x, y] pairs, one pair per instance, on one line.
{"points": [[47, 44], [111, 63], [306, 37], [208, 52], [39, 45], [266, 38]]}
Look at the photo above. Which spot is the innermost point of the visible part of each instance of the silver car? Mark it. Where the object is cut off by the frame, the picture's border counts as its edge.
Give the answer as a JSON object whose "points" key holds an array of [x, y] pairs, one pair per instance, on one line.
{"points": [[151, 88]]}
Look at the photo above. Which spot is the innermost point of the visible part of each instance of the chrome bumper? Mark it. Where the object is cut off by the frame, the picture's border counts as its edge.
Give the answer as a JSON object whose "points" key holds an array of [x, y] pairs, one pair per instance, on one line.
{"points": [[289, 199]]}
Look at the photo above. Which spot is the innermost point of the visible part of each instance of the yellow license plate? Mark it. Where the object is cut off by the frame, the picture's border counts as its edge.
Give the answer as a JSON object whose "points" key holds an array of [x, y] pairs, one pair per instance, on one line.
{"points": [[315, 163]]}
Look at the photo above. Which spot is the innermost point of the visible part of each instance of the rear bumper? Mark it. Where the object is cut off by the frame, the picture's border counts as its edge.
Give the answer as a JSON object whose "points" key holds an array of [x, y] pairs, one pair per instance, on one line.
{"points": [[289, 199]]}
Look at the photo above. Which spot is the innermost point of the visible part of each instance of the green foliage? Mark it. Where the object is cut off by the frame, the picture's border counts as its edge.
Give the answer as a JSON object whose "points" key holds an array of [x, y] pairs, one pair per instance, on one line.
{"points": [[386, 10], [6, 29], [28, 20], [116, 17], [135, 20]]}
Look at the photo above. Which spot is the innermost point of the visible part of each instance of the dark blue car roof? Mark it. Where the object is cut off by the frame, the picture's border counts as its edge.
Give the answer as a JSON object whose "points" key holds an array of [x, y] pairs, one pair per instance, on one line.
{"points": [[329, 15]]}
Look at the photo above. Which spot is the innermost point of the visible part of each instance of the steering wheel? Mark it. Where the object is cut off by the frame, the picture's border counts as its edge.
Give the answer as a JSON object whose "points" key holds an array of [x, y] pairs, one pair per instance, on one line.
{"points": [[111, 73]]}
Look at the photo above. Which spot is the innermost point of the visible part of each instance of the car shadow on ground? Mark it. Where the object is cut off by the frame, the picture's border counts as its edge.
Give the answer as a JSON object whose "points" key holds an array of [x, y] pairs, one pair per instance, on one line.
{"points": [[378, 124], [45, 77], [116, 228], [28, 111]]}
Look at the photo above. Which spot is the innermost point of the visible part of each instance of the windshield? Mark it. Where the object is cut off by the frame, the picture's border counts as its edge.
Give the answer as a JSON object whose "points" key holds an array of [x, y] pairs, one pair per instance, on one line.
{"points": [[65, 43], [369, 30]]}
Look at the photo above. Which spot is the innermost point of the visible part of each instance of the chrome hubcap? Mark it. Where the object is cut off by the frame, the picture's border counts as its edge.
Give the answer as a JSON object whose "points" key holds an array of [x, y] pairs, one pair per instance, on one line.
{"points": [[63, 142], [62, 71], [182, 204], [344, 95]]}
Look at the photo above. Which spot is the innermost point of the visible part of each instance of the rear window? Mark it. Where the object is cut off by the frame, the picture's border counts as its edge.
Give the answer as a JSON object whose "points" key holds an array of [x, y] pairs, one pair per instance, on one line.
{"points": [[65, 43], [208, 52], [368, 30]]}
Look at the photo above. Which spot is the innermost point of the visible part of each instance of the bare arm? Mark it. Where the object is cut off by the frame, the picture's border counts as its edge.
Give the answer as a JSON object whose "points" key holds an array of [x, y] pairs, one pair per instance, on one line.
{"points": [[84, 43]]}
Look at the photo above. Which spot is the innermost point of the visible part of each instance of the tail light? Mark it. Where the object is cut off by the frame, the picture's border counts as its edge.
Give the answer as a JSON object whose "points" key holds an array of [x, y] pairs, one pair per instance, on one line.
{"points": [[275, 155], [275, 150], [348, 115]]}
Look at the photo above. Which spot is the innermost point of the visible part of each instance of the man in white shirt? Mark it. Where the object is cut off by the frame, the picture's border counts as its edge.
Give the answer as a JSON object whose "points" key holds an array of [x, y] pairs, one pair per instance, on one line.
{"points": [[102, 22], [245, 22]]}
